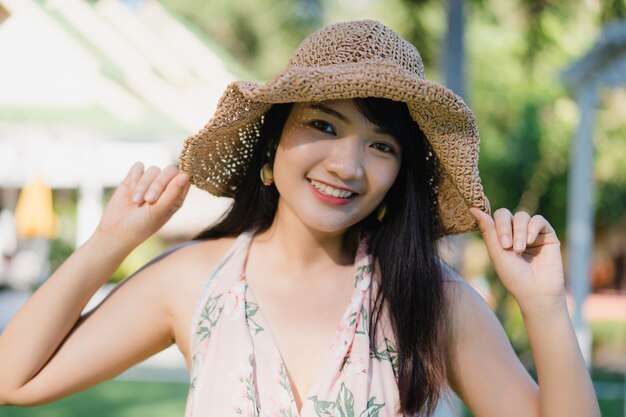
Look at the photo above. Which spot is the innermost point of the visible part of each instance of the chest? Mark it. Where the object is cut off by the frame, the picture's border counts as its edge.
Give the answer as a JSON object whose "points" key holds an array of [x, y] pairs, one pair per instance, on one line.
{"points": [[301, 321]]}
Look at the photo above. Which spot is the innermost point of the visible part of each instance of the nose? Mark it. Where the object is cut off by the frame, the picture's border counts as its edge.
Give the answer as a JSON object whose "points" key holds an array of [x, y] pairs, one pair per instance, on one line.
{"points": [[346, 158]]}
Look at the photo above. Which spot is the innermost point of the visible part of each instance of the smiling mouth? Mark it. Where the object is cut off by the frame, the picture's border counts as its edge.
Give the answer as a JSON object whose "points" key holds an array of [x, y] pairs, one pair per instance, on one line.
{"points": [[330, 191]]}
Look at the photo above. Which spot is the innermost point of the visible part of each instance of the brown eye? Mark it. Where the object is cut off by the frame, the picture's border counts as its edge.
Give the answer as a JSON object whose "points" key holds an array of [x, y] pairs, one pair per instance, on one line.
{"points": [[384, 147], [323, 126]]}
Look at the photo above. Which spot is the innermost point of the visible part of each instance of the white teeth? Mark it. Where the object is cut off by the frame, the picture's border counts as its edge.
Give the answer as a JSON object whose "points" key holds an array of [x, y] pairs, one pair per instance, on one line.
{"points": [[334, 192]]}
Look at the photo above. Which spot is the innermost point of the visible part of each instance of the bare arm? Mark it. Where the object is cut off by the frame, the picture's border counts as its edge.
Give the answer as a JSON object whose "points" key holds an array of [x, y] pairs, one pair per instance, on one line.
{"points": [[45, 351], [482, 365]]}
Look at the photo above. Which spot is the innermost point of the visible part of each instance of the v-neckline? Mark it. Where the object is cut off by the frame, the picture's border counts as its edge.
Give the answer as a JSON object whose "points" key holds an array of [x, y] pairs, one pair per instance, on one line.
{"points": [[328, 350]]}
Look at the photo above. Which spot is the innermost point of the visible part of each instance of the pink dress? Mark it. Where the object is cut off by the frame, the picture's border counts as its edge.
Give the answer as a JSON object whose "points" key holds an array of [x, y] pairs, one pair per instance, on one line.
{"points": [[237, 368]]}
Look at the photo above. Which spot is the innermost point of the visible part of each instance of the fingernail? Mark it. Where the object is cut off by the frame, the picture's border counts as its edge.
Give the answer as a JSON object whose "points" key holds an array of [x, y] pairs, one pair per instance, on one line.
{"points": [[506, 241], [137, 198], [519, 244], [150, 195], [530, 239]]}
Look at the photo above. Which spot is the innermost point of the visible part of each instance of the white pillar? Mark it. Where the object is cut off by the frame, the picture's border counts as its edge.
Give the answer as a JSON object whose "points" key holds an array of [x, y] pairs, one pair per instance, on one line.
{"points": [[580, 214], [88, 210]]}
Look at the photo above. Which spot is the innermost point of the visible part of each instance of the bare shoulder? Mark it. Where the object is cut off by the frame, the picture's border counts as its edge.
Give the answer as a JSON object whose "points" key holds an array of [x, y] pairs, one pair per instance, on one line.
{"points": [[176, 282], [463, 301], [468, 316]]}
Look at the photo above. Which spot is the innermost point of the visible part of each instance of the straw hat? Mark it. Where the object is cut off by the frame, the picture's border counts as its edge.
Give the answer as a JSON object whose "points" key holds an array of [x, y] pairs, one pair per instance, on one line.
{"points": [[344, 61]]}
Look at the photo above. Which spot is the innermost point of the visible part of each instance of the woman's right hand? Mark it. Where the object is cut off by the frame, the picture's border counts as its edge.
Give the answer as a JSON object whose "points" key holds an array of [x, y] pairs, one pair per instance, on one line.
{"points": [[67, 353], [142, 203]]}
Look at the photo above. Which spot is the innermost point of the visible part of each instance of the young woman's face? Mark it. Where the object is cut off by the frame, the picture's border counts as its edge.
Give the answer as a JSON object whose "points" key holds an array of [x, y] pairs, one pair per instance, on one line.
{"points": [[333, 167]]}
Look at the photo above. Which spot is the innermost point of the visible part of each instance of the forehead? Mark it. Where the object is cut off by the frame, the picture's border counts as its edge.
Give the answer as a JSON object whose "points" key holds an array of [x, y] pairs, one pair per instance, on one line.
{"points": [[337, 105]]}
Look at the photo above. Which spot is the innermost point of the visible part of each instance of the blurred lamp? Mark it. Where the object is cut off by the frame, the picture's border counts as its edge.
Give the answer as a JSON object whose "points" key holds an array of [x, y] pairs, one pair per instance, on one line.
{"points": [[34, 216]]}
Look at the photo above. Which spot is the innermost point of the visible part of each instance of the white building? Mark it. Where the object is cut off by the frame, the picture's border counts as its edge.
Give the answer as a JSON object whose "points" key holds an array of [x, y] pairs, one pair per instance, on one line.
{"points": [[88, 88]]}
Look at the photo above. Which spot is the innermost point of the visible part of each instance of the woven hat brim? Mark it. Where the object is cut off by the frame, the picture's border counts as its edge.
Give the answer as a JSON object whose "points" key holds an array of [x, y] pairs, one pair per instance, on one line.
{"points": [[218, 154]]}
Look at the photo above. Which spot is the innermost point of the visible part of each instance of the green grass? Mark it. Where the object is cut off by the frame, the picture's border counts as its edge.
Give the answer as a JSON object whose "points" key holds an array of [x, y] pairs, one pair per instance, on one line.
{"points": [[113, 399], [608, 408], [613, 407]]}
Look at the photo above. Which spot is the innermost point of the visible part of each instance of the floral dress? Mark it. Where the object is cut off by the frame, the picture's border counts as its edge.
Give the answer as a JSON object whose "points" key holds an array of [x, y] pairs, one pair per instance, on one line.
{"points": [[237, 369]]}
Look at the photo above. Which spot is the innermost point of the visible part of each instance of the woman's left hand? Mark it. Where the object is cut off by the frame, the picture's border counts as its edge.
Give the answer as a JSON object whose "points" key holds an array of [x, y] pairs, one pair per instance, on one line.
{"points": [[526, 254]]}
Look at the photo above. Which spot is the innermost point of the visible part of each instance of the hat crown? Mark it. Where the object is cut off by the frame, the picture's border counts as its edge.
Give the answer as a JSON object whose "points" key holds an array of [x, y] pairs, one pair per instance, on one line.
{"points": [[353, 42]]}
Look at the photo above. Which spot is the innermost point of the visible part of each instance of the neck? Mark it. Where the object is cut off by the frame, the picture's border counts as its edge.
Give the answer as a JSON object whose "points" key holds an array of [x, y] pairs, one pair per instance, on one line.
{"points": [[303, 248]]}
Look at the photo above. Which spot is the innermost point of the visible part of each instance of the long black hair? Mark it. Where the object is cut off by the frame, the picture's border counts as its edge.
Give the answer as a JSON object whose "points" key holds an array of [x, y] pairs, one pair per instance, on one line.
{"points": [[403, 244]]}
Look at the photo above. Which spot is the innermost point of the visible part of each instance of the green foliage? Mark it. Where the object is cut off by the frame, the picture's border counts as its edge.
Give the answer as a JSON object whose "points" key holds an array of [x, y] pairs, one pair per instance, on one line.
{"points": [[113, 399], [511, 165], [60, 250], [139, 257], [261, 34], [610, 334], [613, 10], [608, 408], [417, 27], [528, 120]]}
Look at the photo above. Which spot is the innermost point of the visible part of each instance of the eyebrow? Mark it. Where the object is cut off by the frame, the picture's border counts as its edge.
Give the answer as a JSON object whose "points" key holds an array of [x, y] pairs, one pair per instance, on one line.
{"points": [[340, 116], [328, 110]]}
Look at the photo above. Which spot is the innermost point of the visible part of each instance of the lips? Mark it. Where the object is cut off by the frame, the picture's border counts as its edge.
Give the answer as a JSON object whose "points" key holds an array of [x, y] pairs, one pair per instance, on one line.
{"points": [[332, 191]]}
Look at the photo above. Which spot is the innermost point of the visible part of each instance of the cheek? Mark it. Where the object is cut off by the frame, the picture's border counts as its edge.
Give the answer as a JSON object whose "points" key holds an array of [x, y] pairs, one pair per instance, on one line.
{"points": [[290, 165], [385, 175], [295, 152], [287, 160]]}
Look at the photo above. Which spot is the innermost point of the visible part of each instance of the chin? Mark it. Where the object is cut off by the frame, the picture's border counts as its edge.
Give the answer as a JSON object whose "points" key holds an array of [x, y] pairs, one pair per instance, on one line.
{"points": [[329, 225]]}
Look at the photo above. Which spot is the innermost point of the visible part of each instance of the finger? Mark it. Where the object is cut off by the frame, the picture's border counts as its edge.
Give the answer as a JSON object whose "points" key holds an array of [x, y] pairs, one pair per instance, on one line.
{"points": [[536, 226], [144, 182], [160, 182], [174, 195], [486, 226], [520, 230], [133, 176], [503, 220]]}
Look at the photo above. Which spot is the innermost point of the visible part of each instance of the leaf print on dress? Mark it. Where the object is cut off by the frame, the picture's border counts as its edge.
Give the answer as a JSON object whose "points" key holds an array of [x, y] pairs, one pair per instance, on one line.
{"points": [[209, 317], [284, 381], [357, 366], [372, 408], [343, 406], [251, 310], [363, 325], [362, 284], [351, 321], [248, 393], [196, 361], [284, 404], [388, 353]]}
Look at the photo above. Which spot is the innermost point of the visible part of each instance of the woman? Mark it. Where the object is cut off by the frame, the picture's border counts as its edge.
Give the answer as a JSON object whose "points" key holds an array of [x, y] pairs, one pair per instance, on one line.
{"points": [[363, 164]]}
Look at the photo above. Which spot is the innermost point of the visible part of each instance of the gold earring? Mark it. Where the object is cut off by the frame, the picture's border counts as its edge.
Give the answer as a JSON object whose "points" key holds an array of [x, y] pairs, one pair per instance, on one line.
{"points": [[380, 214], [267, 175]]}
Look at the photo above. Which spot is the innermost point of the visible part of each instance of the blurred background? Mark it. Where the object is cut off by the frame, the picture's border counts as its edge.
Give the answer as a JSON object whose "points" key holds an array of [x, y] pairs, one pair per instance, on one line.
{"points": [[88, 87]]}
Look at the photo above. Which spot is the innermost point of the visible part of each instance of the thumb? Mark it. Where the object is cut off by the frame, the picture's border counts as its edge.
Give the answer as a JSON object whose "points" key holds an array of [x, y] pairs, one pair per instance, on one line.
{"points": [[486, 226]]}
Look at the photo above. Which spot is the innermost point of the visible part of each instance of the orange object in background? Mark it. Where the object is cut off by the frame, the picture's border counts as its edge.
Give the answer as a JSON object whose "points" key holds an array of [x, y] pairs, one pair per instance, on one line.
{"points": [[34, 216]]}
